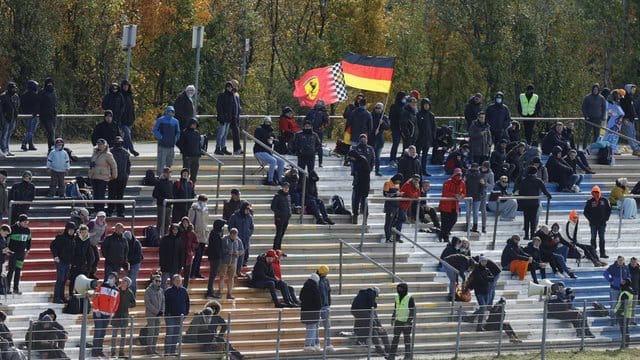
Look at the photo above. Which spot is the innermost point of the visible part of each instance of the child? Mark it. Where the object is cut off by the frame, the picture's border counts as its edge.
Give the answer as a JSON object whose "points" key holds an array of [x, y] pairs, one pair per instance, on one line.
{"points": [[57, 166], [120, 320]]}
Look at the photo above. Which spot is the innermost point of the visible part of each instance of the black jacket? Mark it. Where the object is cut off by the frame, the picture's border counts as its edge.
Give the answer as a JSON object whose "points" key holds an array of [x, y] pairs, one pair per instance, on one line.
{"points": [[264, 271], [170, 254], [426, 129], [115, 249], [361, 175], [48, 103], [364, 300], [511, 252], [163, 190], [262, 133], [128, 109], [62, 247], [30, 102], [226, 107], [408, 166], [311, 303], [480, 280], [134, 255], [107, 131], [114, 101], [22, 191], [83, 256], [559, 170], [409, 125], [189, 143], [215, 246], [475, 188], [9, 106], [480, 139], [281, 205], [536, 254], [597, 213], [361, 122], [185, 110], [121, 156], [471, 111], [553, 139], [380, 124], [498, 117], [306, 144], [531, 185]]}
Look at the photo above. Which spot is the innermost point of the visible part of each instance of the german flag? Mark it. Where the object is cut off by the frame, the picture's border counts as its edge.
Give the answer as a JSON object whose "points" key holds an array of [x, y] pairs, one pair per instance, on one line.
{"points": [[370, 73]]}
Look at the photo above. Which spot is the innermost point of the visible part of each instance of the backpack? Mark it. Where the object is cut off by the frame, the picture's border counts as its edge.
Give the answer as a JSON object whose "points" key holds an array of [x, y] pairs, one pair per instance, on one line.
{"points": [[71, 190], [151, 238], [605, 156], [149, 178], [337, 206]]}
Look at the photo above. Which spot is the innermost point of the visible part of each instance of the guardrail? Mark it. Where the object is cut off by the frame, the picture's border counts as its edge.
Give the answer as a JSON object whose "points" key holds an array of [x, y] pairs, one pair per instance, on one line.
{"points": [[220, 164]]}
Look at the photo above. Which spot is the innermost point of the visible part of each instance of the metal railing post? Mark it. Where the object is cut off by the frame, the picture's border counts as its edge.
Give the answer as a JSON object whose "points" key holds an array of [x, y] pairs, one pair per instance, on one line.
{"points": [[416, 220], [30, 345], [244, 157], [180, 337], [326, 335], [340, 267], [133, 216], [500, 329], [546, 219], [469, 204], [227, 345], [217, 189], [458, 329], [393, 257], [364, 222], [370, 337], [278, 334], [583, 323], [130, 337], [303, 195], [413, 331], [624, 330], [543, 344], [620, 218], [495, 224], [163, 226], [10, 212]]}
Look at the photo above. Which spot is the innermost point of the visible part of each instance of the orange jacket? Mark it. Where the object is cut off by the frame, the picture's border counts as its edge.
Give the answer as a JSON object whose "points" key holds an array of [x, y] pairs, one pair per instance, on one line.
{"points": [[106, 301], [452, 187]]}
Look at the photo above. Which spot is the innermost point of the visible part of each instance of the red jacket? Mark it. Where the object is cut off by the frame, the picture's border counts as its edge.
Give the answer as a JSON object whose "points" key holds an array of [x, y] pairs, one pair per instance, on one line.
{"points": [[452, 187], [106, 301], [189, 244], [288, 127], [409, 191]]}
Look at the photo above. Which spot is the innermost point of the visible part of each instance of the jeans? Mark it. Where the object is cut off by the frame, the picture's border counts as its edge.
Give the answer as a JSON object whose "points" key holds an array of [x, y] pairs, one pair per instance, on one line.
{"points": [[164, 277], [30, 127], [598, 230], [221, 139], [62, 273], [165, 158], [193, 164], [629, 129], [311, 338], [480, 205], [492, 288], [134, 269], [377, 153], [126, 136], [325, 318], [173, 329], [452, 280], [7, 131], [613, 298], [99, 191], [273, 163], [101, 322], [395, 138], [197, 261]]}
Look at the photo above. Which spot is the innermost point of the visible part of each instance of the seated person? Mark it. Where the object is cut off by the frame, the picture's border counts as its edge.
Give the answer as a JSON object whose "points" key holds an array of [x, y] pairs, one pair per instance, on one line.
{"points": [[46, 339], [554, 138], [263, 277], [361, 307], [465, 246], [314, 205], [554, 251], [497, 315], [626, 204], [498, 161], [457, 159], [462, 264], [453, 247], [542, 173], [288, 126], [514, 157], [533, 249], [576, 159], [264, 133], [516, 260], [277, 271], [561, 173], [513, 131], [508, 207], [208, 329], [560, 306], [426, 210]]}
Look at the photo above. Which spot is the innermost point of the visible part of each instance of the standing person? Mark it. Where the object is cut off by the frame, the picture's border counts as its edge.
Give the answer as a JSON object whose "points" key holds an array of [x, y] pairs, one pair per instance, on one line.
{"points": [[19, 244], [231, 205], [176, 300], [529, 106], [128, 116], [185, 107], [161, 191], [170, 254], [102, 169], [408, 123], [531, 185], [190, 244], [49, 110], [628, 119], [227, 111], [199, 217], [120, 320], [30, 105], [376, 136], [106, 129], [472, 109], [361, 184], [182, 189], [153, 310], [4, 195], [319, 121], [366, 320], [391, 189], [480, 140], [598, 210], [404, 311], [427, 130], [104, 305], [477, 190], [232, 251], [62, 251], [624, 310], [310, 312], [454, 187], [189, 145], [134, 258], [634, 274], [9, 109], [615, 274], [594, 110], [498, 117], [242, 220], [395, 113], [215, 255], [57, 166], [325, 300], [167, 132], [409, 164], [114, 101], [305, 145], [119, 184], [97, 232], [82, 258], [22, 191], [265, 135], [360, 119], [281, 207], [480, 281], [115, 250]]}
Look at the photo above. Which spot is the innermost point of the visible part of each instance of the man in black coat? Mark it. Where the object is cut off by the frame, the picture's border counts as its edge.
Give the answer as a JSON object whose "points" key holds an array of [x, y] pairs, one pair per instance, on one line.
{"points": [[319, 120], [531, 185], [161, 191], [119, 184], [395, 113], [115, 249], [427, 130], [409, 123], [82, 256], [189, 145], [107, 129], [555, 138], [408, 164], [360, 119], [310, 311], [171, 254], [9, 109], [376, 136], [128, 116], [305, 145], [48, 110], [281, 207], [229, 108], [361, 309], [182, 189], [114, 101], [498, 117], [263, 277], [30, 105], [62, 251], [472, 109], [215, 255], [361, 184], [561, 172], [185, 108], [22, 191]]}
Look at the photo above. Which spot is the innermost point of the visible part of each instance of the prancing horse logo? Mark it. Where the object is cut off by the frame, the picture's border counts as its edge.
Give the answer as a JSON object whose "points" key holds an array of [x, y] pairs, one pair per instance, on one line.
{"points": [[312, 87]]}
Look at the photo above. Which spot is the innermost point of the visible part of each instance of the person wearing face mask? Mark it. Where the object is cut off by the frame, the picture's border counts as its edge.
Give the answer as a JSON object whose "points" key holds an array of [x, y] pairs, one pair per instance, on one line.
{"points": [[119, 184], [498, 117], [404, 311], [114, 101], [454, 187], [306, 145], [82, 259], [9, 109], [242, 220], [409, 123], [185, 107], [102, 169], [480, 140], [104, 305], [199, 217], [376, 136], [189, 145], [472, 109], [57, 165], [30, 105], [320, 120], [182, 189], [48, 110], [62, 251], [264, 134]]}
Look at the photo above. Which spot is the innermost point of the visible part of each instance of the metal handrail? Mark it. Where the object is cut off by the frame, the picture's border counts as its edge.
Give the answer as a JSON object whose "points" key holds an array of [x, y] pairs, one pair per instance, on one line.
{"points": [[415, 243], [161, 231], [220, 164], [74, 202], [279, 156], [394, 277], [611, 131]]}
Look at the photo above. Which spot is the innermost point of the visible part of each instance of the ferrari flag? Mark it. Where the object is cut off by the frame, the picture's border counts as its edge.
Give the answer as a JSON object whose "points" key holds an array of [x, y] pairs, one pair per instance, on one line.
{"points": [[372, 73], [325, 83]]}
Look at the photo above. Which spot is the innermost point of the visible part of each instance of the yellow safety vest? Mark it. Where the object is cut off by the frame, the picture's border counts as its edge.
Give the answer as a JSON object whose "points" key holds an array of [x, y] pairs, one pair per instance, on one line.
{"points": [[528, 106], [627, 312], [402, 308]]}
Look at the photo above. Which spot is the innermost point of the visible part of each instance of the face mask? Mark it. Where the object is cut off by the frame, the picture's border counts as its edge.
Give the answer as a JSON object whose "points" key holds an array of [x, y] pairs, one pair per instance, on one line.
{"points": [[536, 246], [307, 131], [498, 100], [363, 141]]}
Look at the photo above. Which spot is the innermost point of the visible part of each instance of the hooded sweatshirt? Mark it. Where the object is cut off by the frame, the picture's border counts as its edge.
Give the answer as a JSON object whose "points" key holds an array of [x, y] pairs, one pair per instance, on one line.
{"points": [[167, 129], [58, 159], [594, 106], [30, 101], [597, 209], [243, 222]]}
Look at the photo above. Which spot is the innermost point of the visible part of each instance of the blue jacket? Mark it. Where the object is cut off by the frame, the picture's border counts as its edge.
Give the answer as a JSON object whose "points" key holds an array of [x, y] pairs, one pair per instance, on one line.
{"points": [[58, 160], [167, 129], [615, 274], [325, 291], [243, 222], [176, 301]]}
